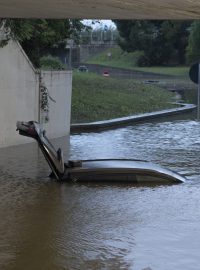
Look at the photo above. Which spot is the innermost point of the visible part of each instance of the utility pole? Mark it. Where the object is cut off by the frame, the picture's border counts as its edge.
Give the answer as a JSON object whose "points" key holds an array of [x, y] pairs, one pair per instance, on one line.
{"points": [[69, 46]]}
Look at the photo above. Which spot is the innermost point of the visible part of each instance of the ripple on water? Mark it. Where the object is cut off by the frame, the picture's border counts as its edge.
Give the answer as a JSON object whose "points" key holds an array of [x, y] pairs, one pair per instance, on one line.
{"points": [[54, 226]]}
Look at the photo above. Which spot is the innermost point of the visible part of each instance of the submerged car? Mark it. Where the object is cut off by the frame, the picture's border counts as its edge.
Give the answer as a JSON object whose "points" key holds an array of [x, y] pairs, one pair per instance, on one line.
{"points": [[97, 170]]}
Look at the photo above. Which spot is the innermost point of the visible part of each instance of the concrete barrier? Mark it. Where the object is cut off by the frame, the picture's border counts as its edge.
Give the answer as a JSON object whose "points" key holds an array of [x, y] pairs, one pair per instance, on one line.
{"points": [[101, 125], [59, 85]]}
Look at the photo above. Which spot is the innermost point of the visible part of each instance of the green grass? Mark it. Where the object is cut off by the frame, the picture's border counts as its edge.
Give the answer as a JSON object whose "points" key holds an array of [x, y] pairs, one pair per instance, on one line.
{"points": [[118, 58], [96, 98], [128, 60], [175, 71]]}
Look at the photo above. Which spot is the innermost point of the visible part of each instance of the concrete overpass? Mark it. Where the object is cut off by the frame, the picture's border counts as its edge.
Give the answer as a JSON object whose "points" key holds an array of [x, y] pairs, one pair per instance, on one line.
{"points": [[101, 9]]}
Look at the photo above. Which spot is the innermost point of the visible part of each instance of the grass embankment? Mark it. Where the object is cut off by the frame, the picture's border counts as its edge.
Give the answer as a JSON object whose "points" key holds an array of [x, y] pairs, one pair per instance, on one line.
{"points": [[96, 98], [128, 60], [118, 58]]}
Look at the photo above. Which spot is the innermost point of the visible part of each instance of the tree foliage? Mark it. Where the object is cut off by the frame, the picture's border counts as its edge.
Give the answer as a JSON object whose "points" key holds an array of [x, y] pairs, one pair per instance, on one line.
{"points": [[51, 63], [193, 48], [161, 41], [39, 35]]}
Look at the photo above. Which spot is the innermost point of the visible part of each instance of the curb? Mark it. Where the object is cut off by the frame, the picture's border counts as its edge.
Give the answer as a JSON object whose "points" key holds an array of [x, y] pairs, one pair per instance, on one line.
{"points": [[100, 125]]}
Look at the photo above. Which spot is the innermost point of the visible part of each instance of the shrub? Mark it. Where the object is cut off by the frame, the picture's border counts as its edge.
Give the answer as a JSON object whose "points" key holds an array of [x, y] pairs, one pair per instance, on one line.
{"points": [[143, 61], [51, 63]]}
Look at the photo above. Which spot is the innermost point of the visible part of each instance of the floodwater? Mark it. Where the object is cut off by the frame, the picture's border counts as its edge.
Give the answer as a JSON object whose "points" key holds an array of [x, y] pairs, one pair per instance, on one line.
{"points": [[48, 225]]}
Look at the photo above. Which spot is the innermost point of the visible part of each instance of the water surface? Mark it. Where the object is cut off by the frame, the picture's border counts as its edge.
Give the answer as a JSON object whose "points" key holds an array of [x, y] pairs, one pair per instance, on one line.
{"points": [[47, 225]]}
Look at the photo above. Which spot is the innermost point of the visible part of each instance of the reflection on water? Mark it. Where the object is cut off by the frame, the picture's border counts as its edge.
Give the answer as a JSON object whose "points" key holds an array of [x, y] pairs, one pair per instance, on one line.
{"points": [[47, 225], [173, 144]]}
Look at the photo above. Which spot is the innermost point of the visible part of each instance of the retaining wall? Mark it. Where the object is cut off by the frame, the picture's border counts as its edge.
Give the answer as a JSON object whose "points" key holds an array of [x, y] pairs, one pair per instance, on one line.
{"points": [[19, 96], [19, 86], [58, 84]]}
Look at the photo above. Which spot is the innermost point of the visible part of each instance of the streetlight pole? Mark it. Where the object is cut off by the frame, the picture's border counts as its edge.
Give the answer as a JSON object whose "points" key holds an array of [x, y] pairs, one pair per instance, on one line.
{"points": [[69, 46]]}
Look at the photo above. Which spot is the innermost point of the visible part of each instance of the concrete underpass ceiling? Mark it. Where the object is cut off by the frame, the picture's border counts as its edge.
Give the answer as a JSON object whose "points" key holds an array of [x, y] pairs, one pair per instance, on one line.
{"points": [[101, 9]]}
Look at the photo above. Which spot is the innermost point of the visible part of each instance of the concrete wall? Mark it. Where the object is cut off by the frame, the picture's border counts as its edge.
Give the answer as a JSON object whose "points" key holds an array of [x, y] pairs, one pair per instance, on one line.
{"points": [[18, 93], [19, 96], [58, 84]]}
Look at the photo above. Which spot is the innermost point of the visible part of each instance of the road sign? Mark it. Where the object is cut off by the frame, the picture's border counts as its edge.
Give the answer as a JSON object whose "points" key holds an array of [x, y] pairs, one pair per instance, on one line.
{"points": [[194, 73]]}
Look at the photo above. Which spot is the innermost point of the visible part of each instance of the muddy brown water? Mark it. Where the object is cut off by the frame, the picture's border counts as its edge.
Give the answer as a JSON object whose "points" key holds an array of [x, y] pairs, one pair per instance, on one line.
{"points": [[48, 225]]}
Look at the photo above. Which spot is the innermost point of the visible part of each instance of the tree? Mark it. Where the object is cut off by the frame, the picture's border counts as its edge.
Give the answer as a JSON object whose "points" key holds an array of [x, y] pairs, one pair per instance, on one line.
{"points": [[39, 35], [180, 39], [161, 41], [193, 48]]}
